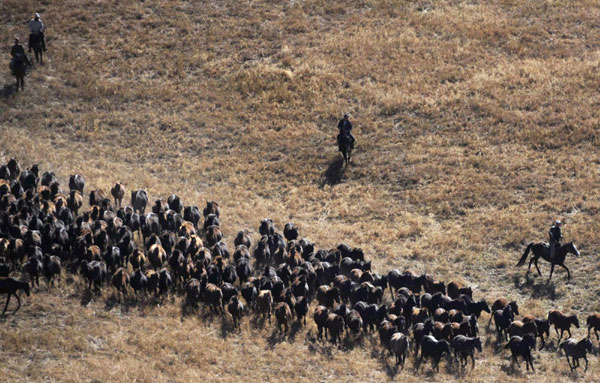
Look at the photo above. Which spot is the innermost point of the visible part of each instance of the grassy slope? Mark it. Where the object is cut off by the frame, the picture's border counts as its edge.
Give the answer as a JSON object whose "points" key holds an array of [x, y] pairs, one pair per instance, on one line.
{"points": [[476, 124]]}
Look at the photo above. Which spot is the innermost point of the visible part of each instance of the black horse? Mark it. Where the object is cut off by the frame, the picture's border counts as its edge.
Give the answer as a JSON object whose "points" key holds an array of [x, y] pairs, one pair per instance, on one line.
{"points": [[345, 146], [542, 250], [10, 286], [18, 66], [36, 45]]}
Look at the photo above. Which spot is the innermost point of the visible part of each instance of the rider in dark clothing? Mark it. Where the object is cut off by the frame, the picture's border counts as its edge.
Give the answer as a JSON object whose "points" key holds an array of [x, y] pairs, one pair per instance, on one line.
{"points": [[17, 48], [17, 53], [555, 237], [345, 128]]}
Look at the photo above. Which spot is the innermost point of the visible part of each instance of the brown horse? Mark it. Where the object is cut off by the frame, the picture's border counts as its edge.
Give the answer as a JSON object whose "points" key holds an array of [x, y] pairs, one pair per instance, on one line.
{"points": [[562, 322], [542, 250]]}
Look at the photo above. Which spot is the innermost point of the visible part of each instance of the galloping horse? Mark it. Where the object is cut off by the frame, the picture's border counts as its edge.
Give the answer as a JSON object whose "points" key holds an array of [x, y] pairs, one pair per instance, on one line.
{"points": [[36, 45], [345, 146], [541, 249]]}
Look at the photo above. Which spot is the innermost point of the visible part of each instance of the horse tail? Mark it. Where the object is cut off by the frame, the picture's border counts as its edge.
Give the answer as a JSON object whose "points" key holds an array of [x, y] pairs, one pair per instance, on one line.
{"points": [[524, 257]]}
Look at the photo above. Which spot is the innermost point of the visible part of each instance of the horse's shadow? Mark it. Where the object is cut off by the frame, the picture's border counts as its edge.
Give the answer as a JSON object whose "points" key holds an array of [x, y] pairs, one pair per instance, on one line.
{"points": [[116, 300], [88, 296], [295, 328], [391, 369], [227, 328], [537, 288], [8, 90], [275, 338], [334, 173]]}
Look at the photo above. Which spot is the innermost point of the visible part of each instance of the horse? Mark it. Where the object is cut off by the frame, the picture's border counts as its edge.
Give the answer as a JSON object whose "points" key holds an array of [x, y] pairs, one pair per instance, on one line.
{"points": [[18, 65], [503, 319], [464, 347], [542, 250], [431, 347], [10, 286], [577, 350], [593, 322], [36, 45], [345, 147], [562, 322], [522, 346]]}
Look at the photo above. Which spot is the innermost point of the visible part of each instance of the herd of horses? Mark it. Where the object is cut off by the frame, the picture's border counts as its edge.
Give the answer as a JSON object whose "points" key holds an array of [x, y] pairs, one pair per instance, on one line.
{"points": [[179, 249]]}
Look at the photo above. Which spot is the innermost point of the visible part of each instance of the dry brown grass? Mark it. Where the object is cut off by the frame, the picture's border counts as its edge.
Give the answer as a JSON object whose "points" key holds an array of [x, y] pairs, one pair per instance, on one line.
{"points": [[477, 124]]}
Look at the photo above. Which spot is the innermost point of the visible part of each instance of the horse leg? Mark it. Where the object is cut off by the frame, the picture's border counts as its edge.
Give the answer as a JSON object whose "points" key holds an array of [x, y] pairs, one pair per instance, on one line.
{"points": [[586, 362], [530, 361], [535, 262], [18, 301], [596, 331], [551, 271], [6, 306], [516, 361], [568, 272]]}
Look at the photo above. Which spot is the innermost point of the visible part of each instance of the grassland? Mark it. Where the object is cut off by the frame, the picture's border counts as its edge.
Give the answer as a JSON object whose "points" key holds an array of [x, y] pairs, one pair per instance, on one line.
{"points": [[476, 121]]}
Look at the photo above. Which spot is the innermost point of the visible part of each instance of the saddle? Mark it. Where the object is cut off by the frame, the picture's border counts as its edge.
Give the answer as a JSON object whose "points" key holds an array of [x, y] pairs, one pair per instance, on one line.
{"points": [[547, 247]]}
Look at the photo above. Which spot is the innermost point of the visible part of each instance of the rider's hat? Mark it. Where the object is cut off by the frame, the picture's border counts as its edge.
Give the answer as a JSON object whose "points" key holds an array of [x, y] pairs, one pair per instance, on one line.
{"points": [[17, 39], [557, 222], [346, 115], [37, 15]]}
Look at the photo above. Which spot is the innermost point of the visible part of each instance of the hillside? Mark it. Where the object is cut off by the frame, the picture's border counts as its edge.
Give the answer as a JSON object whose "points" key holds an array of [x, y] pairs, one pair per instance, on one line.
{"points": [[476, 122]]}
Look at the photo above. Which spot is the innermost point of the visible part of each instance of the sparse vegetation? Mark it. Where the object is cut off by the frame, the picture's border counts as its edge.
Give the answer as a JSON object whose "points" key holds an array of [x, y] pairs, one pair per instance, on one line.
{"points": [[476, 125]]}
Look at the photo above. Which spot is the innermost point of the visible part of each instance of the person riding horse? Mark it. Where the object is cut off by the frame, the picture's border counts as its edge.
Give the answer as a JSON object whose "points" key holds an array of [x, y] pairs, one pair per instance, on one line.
{"points": [[555, 237], [36, 30], [345, 128], [17, 49], [18, 63], [17, 52]]}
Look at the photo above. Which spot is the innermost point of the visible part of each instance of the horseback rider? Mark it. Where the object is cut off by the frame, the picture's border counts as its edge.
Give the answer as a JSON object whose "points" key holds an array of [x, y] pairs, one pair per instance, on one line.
{"points": [[17, 48], [36, 28], [345, 128], [17, 53], [555, 237]]}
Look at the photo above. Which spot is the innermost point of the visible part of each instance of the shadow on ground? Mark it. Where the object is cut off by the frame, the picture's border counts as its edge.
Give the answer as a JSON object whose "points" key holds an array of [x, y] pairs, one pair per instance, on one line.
{"points": [[334, 173]]}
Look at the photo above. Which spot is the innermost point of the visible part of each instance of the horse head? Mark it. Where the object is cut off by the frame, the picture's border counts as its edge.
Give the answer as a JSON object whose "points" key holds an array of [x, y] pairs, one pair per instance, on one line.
{"points": [[587, 344], [529, 341], [485, 306], [444, 346], [571, 248], [574, 320]]}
